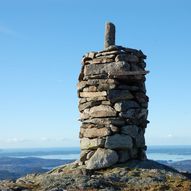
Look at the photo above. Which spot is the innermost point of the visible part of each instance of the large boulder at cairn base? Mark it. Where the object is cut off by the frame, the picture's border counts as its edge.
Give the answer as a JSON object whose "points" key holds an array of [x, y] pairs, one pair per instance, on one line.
{"points": [[102, 158]]}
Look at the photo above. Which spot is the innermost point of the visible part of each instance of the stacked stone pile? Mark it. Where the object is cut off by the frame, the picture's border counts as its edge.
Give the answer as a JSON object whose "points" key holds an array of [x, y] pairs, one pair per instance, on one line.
{"points": [[113, 106]]}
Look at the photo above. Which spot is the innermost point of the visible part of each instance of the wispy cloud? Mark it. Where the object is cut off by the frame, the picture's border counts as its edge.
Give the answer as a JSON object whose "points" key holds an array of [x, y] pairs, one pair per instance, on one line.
{"points": [[17, 142]]}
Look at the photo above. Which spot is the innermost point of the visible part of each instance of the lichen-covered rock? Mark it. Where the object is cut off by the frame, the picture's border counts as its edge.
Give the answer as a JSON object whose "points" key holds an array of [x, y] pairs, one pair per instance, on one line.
{"points": [[102, 111], [86, 143], [95, 132], [108, 69], [93, 94], [102, 158], [88, 104], [132, 175]]}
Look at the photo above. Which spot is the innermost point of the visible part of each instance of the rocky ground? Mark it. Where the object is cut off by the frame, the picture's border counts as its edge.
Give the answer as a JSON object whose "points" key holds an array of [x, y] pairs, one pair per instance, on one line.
{"points": [[132, 176]]}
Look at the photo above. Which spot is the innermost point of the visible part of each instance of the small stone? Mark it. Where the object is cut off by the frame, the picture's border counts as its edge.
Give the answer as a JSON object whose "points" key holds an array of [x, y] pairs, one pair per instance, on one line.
{"points": [[120, 57], [118, 95], [131, 130], [136, 67], [101, 81], [96, 98], [94, 132], [114, 128], [81, 85], [143, 114], [108, 52], [85, 114], [129, 114], [102, 158], [118, 141], [90, 154], [86, 143], [82, 100], [102, 60], [93, 94], [142, 64], [125, 105], [107, 69], [92, 88], [141, 97], [88, 125], [91, 54], [89, 104], [123, 156], [102, 111], [104, 87], [83, 155], [106, 103], [132, 58], [105, 121], [126, 87]]}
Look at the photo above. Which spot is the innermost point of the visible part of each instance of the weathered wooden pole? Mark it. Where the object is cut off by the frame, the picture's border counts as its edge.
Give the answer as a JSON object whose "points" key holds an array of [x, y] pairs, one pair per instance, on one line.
{"points": [[109, 35]]}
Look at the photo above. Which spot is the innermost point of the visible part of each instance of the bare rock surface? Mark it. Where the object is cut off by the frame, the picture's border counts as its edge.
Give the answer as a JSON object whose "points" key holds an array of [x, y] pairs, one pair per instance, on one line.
{"points": [[130, 176]]}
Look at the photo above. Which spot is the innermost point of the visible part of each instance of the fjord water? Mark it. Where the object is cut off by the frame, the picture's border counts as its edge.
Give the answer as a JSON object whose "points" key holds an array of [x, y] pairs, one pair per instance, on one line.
{"points": [[169, 153]]}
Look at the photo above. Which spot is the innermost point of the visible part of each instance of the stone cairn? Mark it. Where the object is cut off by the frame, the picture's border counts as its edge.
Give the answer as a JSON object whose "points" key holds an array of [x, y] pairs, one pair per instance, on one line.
{"points": [[112, 104]]}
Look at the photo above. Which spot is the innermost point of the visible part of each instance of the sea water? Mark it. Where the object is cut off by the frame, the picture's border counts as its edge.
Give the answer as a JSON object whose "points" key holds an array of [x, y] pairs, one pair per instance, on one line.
{"points": [[169, 153]]}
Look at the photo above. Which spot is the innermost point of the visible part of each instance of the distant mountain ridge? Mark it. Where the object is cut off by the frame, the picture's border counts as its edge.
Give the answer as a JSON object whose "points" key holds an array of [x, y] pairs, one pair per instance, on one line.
{"points": [[13, 168]]}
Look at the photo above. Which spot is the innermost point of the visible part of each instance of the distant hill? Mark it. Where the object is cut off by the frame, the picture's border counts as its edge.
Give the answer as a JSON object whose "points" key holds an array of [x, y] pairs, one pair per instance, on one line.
{"points": [[13, 168], [183, 166]]}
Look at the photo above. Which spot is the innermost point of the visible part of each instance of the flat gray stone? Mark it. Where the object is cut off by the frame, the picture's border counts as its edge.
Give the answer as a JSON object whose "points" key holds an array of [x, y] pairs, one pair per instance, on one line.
{"points": [[119, 95], [101, 98], [105, 121], [102, 158], [94, 132], [81, 85], [86, 143], [101, 81], [131, 130], [123, 106], [102, 111], [118, 141], [93, 94], [88, 104], [106, 69]]}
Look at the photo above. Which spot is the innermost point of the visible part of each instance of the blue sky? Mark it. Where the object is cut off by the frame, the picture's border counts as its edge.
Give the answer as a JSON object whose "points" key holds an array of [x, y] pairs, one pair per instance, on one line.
{"points": [[41, 46]]}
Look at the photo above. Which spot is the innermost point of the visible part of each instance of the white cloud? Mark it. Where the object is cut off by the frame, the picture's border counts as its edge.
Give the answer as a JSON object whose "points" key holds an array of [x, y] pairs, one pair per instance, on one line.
{"points": [[16, 142]]}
